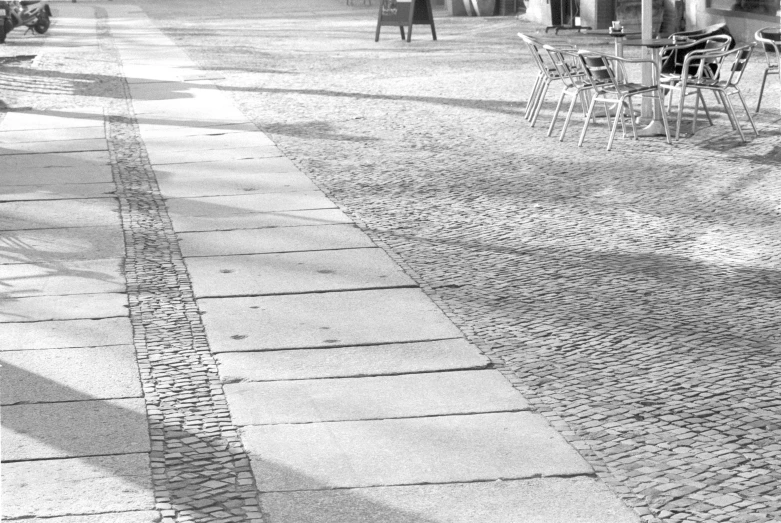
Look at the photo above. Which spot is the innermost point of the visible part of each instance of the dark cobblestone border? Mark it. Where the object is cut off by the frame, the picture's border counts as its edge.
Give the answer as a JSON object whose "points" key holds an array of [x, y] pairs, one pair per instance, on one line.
{"points": [[200, 470]]}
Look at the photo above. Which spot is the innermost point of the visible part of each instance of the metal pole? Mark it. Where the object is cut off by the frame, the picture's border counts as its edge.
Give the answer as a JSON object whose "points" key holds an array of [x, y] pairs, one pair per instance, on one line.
{"points": [[647, 18]]}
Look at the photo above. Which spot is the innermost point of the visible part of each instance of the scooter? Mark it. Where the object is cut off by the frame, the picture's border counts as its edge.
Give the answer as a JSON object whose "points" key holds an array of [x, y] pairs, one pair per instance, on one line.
{"points": [[31, 13]]}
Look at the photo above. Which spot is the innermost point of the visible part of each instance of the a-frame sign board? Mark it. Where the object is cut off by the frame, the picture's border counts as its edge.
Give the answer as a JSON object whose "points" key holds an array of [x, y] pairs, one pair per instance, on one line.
{"points": [[405, 12]]}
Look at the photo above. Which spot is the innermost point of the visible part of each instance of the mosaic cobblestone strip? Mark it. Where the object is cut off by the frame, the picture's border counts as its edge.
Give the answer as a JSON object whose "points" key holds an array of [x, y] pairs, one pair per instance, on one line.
{"points": [[200, 469]]}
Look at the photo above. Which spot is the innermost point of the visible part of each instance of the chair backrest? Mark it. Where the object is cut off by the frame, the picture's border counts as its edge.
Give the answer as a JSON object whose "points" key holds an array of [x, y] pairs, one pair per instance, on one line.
{"points": [[711, 30], [599, 70], [739, 58], [567, 65], [540, 56], [711, 65], [770, 38], [673, 56]]}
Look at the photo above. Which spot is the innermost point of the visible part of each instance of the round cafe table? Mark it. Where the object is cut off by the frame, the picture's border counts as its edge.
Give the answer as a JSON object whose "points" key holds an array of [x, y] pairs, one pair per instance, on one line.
{"points": [[618, 38], [656, 127]]}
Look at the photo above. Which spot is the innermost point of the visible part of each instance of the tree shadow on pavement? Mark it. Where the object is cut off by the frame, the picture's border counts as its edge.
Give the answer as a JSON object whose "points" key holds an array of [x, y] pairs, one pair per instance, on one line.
{"points": [[91, 436]]}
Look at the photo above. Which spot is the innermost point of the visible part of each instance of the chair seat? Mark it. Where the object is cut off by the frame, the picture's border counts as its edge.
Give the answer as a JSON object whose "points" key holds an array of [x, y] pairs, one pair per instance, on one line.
{"points": [[628, 88]]}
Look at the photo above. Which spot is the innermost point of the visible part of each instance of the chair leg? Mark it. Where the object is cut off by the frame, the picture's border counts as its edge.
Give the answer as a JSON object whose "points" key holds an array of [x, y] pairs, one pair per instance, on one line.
{"points": [[748, 113], [762, 88], [632, 118], [731, 109], [680, 113], [569, 117], [664, 117], [705, 107], [533, 97], [541, 99], [588, 118], [730, 114], [556, 112], [697, 99], [585, 103], [670, 100], [619, 116]]}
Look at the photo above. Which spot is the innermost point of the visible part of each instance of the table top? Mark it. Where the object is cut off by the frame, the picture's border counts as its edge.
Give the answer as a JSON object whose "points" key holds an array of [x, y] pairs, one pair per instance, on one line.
{"points": [[653, 42], [615, 34]]}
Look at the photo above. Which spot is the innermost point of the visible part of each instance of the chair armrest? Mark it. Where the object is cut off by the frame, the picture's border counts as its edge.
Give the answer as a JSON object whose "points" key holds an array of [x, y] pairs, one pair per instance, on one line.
{"points": [[622, 61]]}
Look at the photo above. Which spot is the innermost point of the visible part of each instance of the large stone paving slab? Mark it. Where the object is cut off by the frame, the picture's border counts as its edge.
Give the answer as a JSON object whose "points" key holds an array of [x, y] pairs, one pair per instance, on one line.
{"points": [[144, 516], [71, 307], [294, 272], [72, 429], [218, 206], [47, 135], [159, 156], [548, 500], [379, 397], [441, 449], [208, 141], [73, 243], [68, 191], [368, 360], [323, 320], [88, 485], [260, 220], [162, 131], [63, 334], [273, 240], [96, 212], [55, 119], [58, 146], [229, 168], [59, 278], [85, 167], [34, 376], [225, 178]]}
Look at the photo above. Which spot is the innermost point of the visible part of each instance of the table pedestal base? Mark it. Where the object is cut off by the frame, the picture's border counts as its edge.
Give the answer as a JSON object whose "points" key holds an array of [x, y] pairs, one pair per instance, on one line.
{"points": [[655, 128]]}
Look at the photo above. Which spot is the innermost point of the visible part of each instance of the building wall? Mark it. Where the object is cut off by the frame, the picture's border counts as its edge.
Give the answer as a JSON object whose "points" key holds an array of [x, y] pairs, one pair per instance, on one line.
{"points": [[697, 15], [741, 25]]}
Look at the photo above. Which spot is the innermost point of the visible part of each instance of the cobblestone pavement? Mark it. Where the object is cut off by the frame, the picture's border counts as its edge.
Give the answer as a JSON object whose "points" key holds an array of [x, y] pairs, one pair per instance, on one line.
{"points": [[633, 295], [200, 470]]}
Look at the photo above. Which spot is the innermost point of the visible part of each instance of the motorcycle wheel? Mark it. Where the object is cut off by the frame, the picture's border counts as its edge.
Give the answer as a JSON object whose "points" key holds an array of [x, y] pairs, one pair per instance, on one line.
{"points": [[42, 25]]}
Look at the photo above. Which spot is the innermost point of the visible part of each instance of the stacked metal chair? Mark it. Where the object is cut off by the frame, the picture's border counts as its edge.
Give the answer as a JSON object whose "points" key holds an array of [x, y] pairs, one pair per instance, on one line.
{"points": [[546, 75]]}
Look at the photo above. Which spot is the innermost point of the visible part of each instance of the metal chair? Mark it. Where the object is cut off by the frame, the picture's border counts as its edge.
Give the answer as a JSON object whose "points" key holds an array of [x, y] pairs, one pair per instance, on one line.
{"points": [[548, 73], [576, 84], [770, 38], [711, 30], [711, 67], [673, 69], [609, 90]]}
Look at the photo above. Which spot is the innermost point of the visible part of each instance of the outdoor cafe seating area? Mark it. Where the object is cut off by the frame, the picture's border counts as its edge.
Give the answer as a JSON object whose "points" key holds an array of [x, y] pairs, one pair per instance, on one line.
{"points": [[668, 90]]}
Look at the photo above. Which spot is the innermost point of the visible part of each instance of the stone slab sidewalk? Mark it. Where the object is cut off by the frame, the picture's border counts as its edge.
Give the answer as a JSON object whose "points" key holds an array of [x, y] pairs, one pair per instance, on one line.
{"points": [[343, 393]]}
